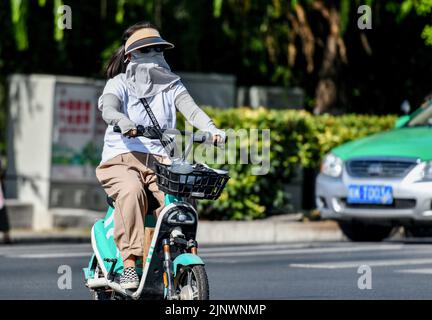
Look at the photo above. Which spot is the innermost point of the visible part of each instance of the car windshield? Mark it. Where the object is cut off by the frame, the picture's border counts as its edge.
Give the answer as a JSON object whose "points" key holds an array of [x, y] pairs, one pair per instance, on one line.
{"points": [[422, 118]]}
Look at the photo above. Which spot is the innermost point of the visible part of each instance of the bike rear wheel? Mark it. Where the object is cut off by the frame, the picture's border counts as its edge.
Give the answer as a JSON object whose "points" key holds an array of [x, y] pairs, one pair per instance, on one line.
{"points": [[191, 283], [101, 295]]}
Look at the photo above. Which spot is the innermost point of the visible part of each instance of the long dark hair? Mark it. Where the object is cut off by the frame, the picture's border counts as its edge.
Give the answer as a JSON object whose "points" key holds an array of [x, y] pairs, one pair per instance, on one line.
{"points": [[116, 65]]}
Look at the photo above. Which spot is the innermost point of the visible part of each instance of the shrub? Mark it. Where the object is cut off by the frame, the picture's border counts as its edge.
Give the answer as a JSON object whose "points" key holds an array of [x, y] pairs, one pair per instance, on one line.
{"points": [[298, 138]]}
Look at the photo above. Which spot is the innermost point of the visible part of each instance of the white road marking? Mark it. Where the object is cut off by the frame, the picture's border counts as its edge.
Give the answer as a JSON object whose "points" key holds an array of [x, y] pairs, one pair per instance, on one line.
{"points": [[51, 255], [255, 247], [18, 252], [356, 264], [416, 271], [301, 251], [216, 252], [62, 247]]}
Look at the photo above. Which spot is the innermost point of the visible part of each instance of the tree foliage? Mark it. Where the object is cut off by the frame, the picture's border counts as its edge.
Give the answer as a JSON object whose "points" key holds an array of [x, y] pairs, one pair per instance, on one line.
{"points": [[422, 8], [314, 44]]}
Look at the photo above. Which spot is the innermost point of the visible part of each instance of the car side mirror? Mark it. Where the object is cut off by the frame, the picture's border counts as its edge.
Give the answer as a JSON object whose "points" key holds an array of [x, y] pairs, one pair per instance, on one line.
{"points": [[402, 121]]}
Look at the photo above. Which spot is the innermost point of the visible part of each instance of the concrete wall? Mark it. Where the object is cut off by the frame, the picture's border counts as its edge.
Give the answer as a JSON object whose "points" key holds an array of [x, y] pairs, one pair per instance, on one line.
{"points": [[271, 97], [79, 195], [29, 173], [216, 90], [29, 143]]}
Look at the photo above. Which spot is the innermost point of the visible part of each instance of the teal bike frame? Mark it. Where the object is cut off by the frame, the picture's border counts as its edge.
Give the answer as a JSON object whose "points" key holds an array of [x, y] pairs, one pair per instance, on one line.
{"points": [[107, 257]]}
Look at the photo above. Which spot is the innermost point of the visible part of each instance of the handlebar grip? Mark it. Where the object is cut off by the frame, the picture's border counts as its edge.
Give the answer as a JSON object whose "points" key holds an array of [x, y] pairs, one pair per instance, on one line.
{"points": [[140, 129], [202, 137], [206, 137]]}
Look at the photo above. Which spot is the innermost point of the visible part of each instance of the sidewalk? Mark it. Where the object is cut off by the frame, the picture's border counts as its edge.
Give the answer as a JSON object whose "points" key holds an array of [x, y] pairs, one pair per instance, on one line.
{"points": [[272, 230]]}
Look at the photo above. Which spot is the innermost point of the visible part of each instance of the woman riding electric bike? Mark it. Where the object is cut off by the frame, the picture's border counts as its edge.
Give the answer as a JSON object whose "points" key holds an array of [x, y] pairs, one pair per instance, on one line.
{"points": [[138, 72]]}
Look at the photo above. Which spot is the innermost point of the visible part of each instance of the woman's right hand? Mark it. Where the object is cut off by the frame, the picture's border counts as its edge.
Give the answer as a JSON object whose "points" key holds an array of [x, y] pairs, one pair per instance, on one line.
{"points": [[131, 133]]}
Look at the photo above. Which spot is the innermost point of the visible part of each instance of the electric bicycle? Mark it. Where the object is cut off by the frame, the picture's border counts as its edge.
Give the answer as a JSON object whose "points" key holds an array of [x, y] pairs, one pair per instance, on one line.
{"points": [[172, 268]]}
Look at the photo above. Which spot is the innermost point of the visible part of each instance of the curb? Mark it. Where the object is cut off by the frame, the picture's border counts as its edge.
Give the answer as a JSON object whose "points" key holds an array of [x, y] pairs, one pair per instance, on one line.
{"points": [[268, 231], [212, 233]]}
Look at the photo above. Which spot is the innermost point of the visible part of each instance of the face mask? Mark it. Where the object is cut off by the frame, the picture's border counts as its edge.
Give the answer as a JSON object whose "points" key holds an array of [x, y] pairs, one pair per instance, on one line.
{"points": [[148, 74], [151, 57]]}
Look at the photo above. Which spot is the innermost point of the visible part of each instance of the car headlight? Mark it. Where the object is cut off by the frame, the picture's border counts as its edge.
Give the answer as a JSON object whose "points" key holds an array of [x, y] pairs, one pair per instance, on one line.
{"points": [[427, 171], [332, 166]]}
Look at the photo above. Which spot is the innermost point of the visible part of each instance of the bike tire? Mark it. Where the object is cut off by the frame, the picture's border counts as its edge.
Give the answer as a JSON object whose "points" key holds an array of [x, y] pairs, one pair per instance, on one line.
{"points": [[201, 281], [101, 295]]}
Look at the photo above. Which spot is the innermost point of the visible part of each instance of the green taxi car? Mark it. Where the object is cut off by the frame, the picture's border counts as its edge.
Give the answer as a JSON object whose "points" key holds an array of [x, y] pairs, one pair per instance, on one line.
{"points": [[374, 184]]}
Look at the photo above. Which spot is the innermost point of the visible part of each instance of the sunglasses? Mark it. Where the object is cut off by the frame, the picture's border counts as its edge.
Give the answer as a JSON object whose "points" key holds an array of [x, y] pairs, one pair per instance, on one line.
{"points": [[152, 48]]}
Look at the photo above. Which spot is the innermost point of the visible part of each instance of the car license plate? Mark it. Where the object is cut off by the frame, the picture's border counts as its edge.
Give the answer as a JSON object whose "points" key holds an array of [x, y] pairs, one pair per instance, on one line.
{"points": [[370, 194]]}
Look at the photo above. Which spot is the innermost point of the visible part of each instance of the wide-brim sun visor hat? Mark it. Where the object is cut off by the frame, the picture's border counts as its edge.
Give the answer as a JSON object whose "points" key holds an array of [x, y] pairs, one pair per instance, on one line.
{"points": [[145, 37]]}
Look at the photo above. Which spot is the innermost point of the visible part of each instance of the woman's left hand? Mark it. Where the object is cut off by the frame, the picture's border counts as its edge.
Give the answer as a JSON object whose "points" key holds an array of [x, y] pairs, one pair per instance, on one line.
{"points": [[218, 139]]}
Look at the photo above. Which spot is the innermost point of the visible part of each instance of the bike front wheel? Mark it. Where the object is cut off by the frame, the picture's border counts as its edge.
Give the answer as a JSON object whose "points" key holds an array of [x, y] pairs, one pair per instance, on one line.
{"points": [[191, 283]]}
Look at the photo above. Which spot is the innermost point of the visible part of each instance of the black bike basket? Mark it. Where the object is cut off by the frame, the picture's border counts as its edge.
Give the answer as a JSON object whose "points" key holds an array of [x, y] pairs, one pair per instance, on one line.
{"points": [[202, 183]]}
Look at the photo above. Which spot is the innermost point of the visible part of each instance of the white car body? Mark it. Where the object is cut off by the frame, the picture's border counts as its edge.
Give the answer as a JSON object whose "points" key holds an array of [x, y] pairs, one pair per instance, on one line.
{"points": [[412, 204]]}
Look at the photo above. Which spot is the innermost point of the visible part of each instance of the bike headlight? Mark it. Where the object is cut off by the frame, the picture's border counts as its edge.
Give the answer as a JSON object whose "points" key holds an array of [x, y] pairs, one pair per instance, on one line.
{"points": [[427, 171], [332, 166]]}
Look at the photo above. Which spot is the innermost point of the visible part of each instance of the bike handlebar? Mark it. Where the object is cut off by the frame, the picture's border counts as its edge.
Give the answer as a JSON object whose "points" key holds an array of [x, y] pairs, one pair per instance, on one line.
{"points": [[153, 133]]}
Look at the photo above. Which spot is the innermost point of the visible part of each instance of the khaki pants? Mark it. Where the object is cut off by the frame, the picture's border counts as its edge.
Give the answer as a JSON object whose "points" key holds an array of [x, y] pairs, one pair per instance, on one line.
{"points": [[129, 179]]}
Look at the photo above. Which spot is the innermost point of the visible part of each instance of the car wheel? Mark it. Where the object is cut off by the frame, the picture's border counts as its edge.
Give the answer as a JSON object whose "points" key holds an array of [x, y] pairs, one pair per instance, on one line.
{"points": [[364, 232], [418, 232]]}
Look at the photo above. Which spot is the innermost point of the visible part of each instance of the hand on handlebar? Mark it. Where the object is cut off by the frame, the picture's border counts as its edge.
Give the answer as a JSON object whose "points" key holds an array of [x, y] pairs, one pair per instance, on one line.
{"points": [[218, 139], [131, 133]]}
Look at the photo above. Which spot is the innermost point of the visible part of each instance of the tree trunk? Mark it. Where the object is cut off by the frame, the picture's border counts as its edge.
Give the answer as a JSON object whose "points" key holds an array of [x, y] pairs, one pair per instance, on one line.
{"points": [[326, 93], [158, 13]]}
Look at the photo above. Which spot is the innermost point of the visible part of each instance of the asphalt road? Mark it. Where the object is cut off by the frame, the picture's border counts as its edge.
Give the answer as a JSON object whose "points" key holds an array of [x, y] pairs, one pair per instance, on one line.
{"points": [[399, 270]]}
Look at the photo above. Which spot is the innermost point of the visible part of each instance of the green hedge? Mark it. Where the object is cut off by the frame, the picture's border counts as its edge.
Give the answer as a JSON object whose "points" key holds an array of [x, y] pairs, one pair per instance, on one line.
{"points": [[298, 138]]}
